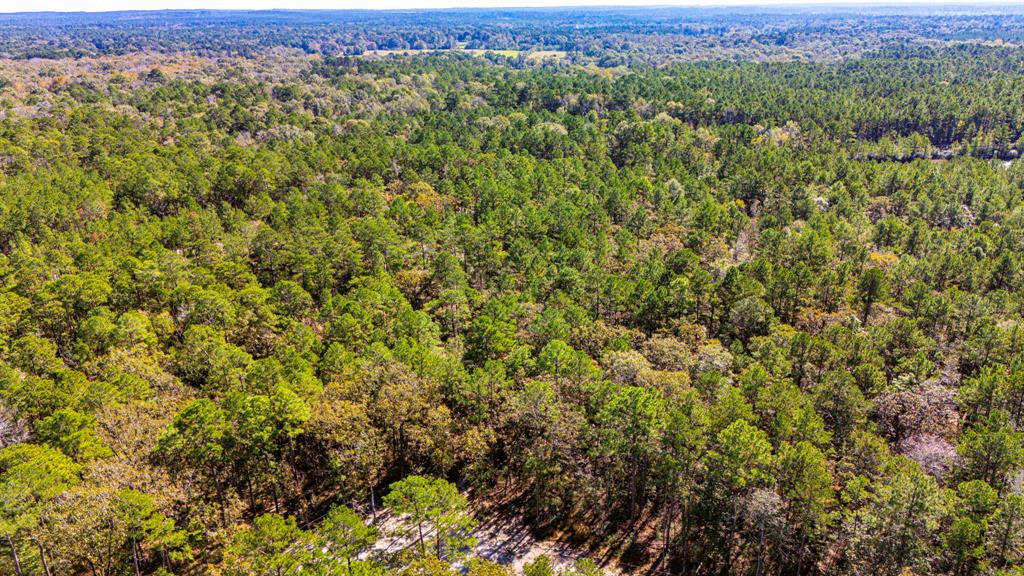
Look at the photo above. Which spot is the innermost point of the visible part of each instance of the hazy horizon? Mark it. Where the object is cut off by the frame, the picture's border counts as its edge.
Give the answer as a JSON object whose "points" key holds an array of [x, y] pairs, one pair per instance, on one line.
{"points": [[146, 5]]}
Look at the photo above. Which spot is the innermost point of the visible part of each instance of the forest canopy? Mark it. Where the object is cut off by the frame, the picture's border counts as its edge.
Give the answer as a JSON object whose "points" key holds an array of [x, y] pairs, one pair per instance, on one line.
{"points": [[682, 291]]}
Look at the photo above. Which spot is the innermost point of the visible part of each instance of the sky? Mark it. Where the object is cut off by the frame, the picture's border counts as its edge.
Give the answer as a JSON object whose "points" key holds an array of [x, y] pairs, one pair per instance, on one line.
{"points": [[105, 5]]}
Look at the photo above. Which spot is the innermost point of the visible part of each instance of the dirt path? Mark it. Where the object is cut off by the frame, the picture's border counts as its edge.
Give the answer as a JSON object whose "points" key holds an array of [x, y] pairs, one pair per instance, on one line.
{"points": [[501, 538], [507, 540]]}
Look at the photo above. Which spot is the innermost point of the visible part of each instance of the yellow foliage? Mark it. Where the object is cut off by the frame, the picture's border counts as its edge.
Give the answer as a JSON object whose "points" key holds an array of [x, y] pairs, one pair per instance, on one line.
{"points": [[883, 259]]}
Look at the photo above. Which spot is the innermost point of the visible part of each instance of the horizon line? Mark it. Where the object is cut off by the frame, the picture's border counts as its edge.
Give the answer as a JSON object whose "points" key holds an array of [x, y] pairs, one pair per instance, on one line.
{"points": [[694, 4]]}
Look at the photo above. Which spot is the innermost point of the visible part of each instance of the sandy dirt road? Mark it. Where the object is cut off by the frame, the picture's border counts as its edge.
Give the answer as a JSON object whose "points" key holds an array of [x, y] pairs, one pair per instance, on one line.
{"points": [[501, 538]]}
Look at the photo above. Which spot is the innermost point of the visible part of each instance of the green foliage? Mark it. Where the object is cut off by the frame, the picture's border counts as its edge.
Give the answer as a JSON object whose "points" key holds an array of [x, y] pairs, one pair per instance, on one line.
{"points": [[73, 433], [742, 293], [345, 534], [435, 505], [272, 545], [31, 477]]}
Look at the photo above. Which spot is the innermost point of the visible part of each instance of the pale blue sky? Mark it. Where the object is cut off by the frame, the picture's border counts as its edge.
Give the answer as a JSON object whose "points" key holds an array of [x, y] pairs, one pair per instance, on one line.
{"points": [[104, 5]]}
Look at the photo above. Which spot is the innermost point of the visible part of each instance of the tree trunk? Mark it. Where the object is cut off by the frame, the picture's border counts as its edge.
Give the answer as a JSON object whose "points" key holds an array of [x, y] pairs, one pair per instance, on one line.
{"points": [[101, 568], [42, 558], [670, 512], [220, 500], [686, 535], [800, 554], [135, 557], [14, 556], [277, 502], [632, 498], [732, 536], [252, 497], [373, 505], [760, 549], [1004, 545]]}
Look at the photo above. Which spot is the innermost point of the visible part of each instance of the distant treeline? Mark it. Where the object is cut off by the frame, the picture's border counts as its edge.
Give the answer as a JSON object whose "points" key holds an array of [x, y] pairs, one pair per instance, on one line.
{"points": [[611, 36]]}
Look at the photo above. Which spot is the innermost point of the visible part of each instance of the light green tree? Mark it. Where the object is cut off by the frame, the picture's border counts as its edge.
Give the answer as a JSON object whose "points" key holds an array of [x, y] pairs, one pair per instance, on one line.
{"points": [[345, 534], [273, 546], [30, 476], [433, 505]]}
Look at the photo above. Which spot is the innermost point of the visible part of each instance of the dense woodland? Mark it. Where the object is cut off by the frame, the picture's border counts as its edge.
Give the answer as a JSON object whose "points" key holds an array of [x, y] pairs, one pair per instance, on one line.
{"points": [[609, 35], [731, 316]]}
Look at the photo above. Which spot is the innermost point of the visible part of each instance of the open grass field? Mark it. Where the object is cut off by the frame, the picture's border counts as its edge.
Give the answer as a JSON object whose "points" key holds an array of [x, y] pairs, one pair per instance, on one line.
{"points": [[534, 55]]}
